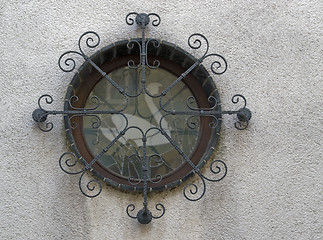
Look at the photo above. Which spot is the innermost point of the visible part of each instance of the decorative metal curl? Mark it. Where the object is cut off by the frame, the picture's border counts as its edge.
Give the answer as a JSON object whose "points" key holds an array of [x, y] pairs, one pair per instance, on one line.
{"points": [[130, 208], [93, 99], [189, 101], [73, 124], [214, 123], [211, 99], [160, 207], [69, 62], [193, 190], [155, 22], [48, 98], [158, 177], [220, 172], [70, 163], [235, 99], [90, 186], [40, 114], [142, 19], [130, 20], [156, 44], [131, 63], [48, 126], [96, 121], [144, 216], [132, 180], [195, 42], [193, 122], [241, 125], [90, 41], [95, 124], [243, 114], [217, 65]]}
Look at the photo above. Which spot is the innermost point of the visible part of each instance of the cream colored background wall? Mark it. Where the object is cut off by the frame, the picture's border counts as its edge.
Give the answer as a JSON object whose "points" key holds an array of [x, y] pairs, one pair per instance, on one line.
{"points": [[273, 189]]}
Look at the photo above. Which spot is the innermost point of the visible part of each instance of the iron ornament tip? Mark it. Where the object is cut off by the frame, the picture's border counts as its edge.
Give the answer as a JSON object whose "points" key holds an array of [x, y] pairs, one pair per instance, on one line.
{"points": [[244, 114], [144, 216], [39, 115], [142, 19]]}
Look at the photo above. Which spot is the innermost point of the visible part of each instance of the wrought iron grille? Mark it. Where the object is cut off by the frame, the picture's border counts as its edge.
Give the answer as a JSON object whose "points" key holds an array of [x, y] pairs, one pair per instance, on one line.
{"points": [[74, 114]]}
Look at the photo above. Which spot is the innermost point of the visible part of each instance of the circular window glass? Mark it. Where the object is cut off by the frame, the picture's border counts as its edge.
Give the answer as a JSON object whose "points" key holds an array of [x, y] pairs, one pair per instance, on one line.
{"points": [[125, 157], [137, 111]]}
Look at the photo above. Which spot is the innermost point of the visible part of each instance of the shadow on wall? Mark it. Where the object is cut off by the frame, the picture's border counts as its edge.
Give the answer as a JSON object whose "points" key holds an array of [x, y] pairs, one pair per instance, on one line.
{"points": [[69, 209]]}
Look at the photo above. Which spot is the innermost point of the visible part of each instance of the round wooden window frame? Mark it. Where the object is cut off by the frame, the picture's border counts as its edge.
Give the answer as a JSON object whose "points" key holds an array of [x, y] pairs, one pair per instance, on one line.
{"points": [[171, 58]]}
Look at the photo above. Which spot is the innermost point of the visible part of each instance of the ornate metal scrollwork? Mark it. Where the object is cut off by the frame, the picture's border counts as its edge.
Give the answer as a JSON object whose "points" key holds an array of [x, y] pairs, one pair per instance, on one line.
{"points": [[68, 161]]}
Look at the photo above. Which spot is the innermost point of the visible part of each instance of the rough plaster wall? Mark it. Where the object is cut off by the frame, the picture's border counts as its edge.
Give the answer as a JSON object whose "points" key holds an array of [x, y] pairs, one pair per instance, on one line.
{"points": [[273, 189]]}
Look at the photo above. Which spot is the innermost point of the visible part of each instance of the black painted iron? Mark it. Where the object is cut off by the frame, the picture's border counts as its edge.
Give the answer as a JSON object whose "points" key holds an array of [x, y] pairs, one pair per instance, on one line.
{"points": [[68, 160]]}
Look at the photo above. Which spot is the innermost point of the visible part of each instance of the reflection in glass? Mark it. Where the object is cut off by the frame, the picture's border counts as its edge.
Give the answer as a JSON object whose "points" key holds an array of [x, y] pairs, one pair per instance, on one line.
{"points": [[124, 158]]}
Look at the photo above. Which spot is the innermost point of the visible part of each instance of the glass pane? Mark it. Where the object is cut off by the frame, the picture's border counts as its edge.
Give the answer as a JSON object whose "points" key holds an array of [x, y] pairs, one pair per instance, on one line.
{"points": [[125, 157]]}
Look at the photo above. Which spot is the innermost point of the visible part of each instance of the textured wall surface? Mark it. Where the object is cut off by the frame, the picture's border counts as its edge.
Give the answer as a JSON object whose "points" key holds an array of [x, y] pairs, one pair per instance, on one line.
{"points": [[273, 189]]}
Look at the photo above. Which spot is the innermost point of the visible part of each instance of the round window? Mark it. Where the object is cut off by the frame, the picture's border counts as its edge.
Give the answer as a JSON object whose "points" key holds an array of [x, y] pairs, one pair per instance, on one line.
{"points": [[138, 112]]}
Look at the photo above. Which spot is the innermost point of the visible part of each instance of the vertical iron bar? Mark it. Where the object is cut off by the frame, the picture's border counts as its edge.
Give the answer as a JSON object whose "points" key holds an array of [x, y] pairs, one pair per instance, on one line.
{"points": [[143, 55], [145, 170]]}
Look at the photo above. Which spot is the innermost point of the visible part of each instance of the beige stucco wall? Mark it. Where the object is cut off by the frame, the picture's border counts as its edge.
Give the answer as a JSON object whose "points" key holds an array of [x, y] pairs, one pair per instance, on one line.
{"points": [[273, 189]]}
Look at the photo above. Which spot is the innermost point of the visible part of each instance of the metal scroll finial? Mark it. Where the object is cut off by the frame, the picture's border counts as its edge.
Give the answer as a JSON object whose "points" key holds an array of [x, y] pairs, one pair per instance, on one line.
{"points": [[142, 19], [39, 115]]}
